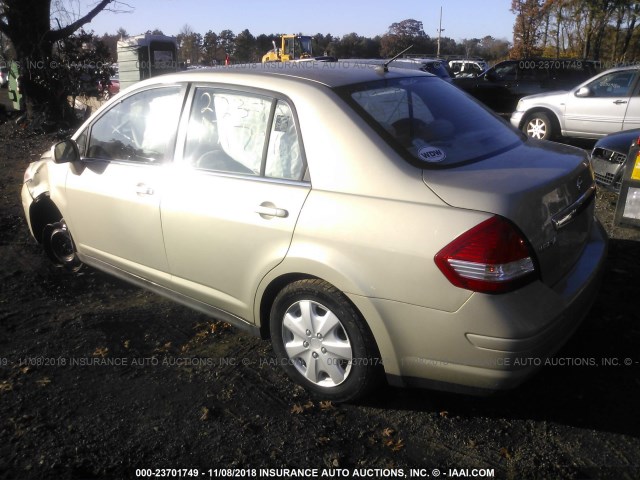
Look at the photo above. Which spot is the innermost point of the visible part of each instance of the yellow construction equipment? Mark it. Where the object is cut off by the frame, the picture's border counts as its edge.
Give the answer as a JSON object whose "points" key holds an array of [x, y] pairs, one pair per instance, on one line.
{"points": [[292, 47]]}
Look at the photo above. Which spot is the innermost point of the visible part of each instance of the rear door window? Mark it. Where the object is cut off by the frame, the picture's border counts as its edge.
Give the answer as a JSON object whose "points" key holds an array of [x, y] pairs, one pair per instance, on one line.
{"points": [[243, 133]]}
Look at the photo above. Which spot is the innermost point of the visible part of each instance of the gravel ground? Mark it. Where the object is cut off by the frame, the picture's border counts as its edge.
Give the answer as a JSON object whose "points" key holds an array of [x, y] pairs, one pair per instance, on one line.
{"points": [[98, 380]]}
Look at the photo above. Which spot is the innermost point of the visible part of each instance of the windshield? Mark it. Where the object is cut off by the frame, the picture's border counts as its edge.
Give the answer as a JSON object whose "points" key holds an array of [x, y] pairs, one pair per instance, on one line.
{"points": [[436, 68], [431, 122], [304, 44]]}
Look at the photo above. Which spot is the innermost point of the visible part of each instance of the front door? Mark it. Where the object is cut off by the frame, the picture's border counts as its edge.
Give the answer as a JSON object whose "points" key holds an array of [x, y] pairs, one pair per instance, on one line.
{"points": [[604, 110], [114, 193]]}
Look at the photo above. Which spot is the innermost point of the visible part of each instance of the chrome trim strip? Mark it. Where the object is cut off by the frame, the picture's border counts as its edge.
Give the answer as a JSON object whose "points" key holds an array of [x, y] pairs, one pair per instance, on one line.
{"points": [[566, 216]]}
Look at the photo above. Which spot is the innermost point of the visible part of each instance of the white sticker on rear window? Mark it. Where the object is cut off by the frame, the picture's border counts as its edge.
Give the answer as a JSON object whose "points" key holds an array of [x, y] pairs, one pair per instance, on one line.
{"points": [[431, 154]]}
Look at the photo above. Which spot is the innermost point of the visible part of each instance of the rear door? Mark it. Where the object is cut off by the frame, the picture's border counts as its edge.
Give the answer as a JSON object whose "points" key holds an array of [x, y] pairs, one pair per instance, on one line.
{"points": [[231, 207], [604, 110]]}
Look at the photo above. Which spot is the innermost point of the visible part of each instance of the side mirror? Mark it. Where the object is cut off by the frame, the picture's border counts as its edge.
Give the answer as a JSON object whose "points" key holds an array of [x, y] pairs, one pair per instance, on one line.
{"points": [[491, 75], [66, 152], [583, 92]]}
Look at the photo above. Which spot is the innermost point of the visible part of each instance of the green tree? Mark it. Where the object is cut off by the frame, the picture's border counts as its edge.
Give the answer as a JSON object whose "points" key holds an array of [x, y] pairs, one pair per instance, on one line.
{"points": [[404, 34], [245, 50], [211, 48], [227, 42], [493, 49]]}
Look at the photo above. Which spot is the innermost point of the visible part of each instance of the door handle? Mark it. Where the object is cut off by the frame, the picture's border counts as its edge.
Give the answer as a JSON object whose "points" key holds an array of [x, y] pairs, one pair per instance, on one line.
{"points": [[268, 209], [618, 102], [142, 189]]}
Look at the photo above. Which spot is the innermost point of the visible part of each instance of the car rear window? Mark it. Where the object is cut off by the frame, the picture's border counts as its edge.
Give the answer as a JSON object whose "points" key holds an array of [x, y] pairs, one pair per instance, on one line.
{"points": [[432, 123]]}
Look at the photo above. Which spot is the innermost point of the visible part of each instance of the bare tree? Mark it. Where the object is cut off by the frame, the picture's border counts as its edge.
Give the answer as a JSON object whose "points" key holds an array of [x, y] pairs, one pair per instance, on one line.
{"points": [[28, 23]]}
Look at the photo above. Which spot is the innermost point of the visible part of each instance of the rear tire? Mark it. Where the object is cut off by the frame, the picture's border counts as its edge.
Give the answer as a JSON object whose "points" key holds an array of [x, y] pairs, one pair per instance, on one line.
{"points": [[538, 125], [323, 343]]}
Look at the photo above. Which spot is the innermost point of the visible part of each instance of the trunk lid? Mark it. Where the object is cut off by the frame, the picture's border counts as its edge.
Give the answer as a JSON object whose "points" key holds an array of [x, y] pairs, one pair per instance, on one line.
{"points": [[547, 190]]}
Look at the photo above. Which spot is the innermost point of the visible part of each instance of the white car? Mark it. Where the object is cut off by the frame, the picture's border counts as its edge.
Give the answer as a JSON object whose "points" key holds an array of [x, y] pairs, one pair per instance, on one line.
{"points": [[467, 68], [606, 103]]}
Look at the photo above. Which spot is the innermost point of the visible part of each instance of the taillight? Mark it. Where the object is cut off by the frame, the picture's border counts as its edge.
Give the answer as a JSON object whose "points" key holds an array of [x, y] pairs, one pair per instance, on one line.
{"points": [[492, 257]]}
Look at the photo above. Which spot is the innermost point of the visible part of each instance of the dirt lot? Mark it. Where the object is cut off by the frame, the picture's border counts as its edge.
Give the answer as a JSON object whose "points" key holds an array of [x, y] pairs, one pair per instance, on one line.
{"points": [[99, 379]]}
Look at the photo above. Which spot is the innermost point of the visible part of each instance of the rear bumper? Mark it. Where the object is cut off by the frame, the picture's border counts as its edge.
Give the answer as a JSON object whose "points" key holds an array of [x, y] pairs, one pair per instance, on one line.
{"points": [[493, 342]]}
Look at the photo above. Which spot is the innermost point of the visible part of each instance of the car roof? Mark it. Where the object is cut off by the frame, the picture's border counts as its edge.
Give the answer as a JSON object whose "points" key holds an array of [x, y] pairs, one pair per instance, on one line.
{"points": [[419, 60], [623, 68], [330, 74]]}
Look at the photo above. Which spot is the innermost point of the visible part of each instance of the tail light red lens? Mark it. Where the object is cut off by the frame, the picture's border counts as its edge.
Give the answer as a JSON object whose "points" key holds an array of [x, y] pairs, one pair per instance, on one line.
{"points": [[492, 257]]}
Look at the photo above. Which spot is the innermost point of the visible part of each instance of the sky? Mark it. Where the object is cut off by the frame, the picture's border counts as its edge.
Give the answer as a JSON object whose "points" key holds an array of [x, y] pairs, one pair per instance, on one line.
{"points": [[460, 18]]}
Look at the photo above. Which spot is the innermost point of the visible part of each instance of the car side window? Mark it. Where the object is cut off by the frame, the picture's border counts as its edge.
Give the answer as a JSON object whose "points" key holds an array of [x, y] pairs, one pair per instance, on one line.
{"points": [[230, 132], [506, 72], [140, 128], [227, 131], [616, 84], [284, 158], [81, 141]]}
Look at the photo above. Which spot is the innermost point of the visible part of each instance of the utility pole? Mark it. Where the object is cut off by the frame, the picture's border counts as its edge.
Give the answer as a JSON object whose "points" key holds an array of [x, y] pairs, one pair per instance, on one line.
{"points": [[440, 30]]}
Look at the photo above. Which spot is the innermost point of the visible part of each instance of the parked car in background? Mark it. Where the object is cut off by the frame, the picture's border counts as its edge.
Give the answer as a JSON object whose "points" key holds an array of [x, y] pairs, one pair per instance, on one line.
{"points": [[368, 221], [434, 66], [467, 67], [429, 65], [501, 86], [108, 89], [4, 77], [609, 157], [605, 104]]}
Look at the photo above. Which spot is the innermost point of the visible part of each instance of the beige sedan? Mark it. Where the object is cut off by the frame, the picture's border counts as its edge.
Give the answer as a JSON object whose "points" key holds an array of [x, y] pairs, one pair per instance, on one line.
{"points": [[373, 222]]}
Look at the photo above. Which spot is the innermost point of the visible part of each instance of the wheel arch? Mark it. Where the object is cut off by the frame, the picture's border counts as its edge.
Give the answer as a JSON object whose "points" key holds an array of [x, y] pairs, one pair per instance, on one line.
{"points": [[362, 305], [42, 212], [269, 295], [553, 116]]}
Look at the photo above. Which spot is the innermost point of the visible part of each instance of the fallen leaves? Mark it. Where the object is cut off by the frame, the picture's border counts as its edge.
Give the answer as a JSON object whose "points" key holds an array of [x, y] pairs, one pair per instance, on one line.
{"points": [[164, 348], [391, 441], [395, 445], [505, 453], [203, 332], [297, 409], [204, 414], [100, 352], [326, 405], [43, 381]]}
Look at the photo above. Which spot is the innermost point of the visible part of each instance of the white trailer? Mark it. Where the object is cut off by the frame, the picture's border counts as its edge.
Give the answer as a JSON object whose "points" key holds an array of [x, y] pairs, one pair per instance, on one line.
{"points": [[145, 56]]}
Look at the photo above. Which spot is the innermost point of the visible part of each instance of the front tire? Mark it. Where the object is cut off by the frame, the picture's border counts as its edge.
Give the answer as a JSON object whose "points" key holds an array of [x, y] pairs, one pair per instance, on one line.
{"points": [[59, 246], [538, 125], [323, 343]]}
